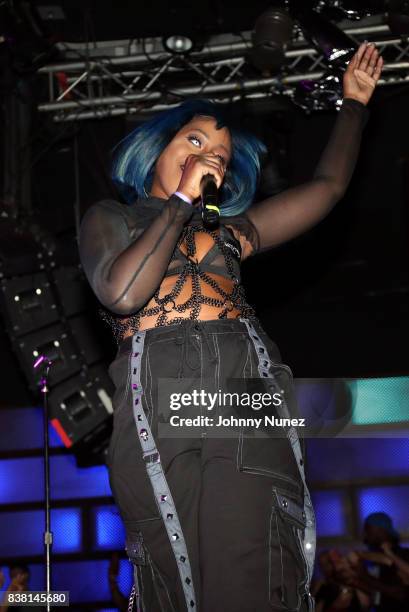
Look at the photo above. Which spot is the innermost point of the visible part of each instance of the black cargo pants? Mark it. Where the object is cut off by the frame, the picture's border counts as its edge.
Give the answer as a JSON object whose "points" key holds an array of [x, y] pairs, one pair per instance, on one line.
{"points": [[213, 523]]}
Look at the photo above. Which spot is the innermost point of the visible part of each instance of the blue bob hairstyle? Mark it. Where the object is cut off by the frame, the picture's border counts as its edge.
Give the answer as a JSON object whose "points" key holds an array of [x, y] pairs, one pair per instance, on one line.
{"points": [[134, 163]]}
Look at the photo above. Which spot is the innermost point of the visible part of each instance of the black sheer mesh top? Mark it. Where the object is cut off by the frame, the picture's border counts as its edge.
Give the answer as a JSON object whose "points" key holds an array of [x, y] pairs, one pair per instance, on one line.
{"points": [[153, 263]]}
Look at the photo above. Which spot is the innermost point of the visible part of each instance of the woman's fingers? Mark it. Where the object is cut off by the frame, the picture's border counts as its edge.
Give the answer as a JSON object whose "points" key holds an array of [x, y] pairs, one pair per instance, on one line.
{"points": [[358, 55], [364, 61], [373, 60], [208, 158], [197, 166], [217, 172], [378, 68], [215, 162], [369, 59], [211, 166]]}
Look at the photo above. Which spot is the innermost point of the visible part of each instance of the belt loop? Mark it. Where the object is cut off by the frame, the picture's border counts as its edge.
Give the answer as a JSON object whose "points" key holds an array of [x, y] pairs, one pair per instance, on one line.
{"points": [[212, 351], [185, 339]]}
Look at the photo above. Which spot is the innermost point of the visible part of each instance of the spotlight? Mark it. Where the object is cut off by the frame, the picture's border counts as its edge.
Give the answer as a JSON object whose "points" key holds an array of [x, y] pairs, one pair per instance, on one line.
{"points": [[335, 45], [324, 94], [178, 44], [272, 32]]}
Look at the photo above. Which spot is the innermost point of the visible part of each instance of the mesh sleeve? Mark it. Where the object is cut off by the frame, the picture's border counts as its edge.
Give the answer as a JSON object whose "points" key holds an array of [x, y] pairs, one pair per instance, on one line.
{"points": [[125, 267], [295, 210]]}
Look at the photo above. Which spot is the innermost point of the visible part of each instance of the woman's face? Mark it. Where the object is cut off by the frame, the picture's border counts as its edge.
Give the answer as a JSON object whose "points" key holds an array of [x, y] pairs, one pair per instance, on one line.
{"points": [[197, 137]]}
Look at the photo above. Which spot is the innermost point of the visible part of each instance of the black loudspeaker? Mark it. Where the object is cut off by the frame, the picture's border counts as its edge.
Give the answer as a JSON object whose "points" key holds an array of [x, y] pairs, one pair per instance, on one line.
{"points": [[81, 407], [28, 303], [57, 345], [55, 338]]}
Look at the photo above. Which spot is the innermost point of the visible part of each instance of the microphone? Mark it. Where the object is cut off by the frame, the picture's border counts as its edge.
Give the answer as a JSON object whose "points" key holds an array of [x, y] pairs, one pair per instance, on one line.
{"points": [[210, 202]]}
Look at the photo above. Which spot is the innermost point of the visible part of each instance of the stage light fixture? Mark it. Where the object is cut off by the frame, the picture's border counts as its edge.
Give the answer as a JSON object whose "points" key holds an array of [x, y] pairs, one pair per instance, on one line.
{"points": [[320, 95], [337, 49], [178, 44], [272, 32], [336, 46]]}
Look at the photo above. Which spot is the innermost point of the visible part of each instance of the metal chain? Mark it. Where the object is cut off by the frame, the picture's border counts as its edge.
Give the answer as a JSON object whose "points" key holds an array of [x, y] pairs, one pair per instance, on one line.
{"points": [[236, 298], [131, 598]]}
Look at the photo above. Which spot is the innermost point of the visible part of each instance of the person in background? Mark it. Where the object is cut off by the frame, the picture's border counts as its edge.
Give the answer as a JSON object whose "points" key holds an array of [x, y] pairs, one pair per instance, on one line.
{"points": [[330, 592], [402, 566], [383, 579], [19, 581]]}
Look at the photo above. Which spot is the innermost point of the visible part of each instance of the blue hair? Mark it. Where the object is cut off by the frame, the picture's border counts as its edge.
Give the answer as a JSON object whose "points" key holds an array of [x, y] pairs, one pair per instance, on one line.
{"points": [[133, 167]]}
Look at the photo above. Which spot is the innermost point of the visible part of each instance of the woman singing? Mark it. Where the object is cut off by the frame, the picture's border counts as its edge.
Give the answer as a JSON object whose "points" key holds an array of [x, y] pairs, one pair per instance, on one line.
{"points": [[215, 523]]}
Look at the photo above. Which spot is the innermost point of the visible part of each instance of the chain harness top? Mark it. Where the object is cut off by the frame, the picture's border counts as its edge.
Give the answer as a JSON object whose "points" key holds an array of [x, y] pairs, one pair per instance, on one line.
{"points": [[222, 259]]}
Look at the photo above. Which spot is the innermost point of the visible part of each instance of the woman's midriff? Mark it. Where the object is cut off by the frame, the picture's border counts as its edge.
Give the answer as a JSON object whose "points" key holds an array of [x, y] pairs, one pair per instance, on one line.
{"points": [[206, 312]]}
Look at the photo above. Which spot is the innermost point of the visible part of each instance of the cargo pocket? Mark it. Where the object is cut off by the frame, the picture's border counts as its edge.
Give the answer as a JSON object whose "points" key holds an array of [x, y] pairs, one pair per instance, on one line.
{"points": [[287, 566], [265, 450]]}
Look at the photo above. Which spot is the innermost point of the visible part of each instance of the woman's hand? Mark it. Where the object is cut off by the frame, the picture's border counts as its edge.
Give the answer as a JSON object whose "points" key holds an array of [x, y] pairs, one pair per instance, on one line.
{"points": [[197, 166], [362, 73]]}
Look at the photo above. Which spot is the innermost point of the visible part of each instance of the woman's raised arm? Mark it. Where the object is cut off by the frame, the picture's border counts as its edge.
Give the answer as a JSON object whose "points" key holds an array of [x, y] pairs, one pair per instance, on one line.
{"points": [[295, 210]]}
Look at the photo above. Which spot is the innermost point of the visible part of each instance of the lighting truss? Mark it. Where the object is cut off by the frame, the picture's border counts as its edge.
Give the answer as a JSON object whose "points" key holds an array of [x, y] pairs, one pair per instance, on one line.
{"points": [[130, 77]]}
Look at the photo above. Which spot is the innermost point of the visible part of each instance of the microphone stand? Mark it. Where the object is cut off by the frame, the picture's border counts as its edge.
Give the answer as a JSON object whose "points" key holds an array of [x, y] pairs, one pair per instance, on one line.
{"points": [[48, 536]]}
